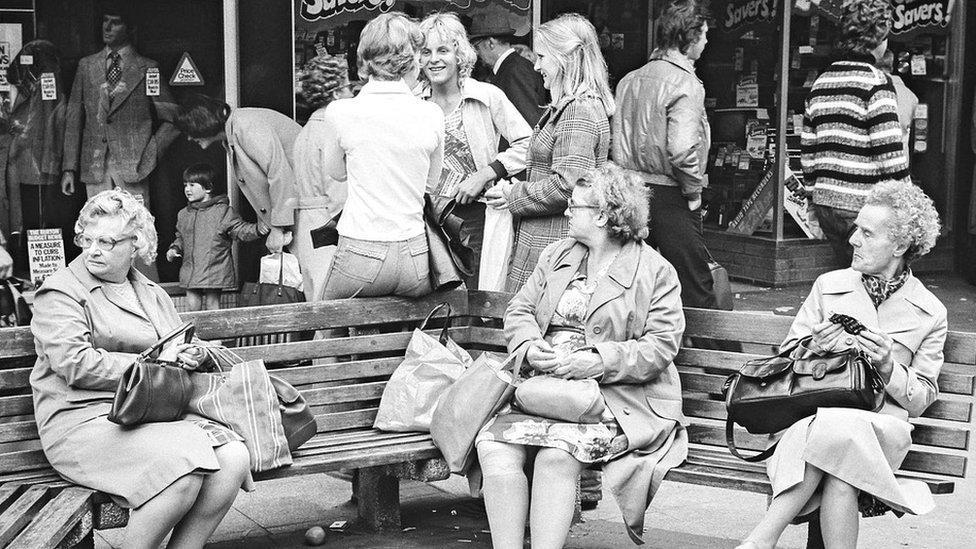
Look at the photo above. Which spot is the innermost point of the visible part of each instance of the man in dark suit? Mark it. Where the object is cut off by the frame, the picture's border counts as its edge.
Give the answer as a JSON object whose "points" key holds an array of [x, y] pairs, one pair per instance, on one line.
{"points": [[119, 114], [510, 71]]}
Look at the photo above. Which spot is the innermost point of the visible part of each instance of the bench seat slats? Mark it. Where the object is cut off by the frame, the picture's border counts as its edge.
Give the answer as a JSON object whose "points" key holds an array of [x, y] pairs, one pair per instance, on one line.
{"points": [[929, 435], [344, 393], [9, 493], [331, 461], [21, 512], [365, 435], [304, 375], [16, 405], [17, 431], [339, 421], [55, 520]]}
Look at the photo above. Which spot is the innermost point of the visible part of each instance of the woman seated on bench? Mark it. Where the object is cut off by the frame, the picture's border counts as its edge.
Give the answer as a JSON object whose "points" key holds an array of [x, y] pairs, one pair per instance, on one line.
{"points": [[843, 460], [90, 320], [601, 305]]}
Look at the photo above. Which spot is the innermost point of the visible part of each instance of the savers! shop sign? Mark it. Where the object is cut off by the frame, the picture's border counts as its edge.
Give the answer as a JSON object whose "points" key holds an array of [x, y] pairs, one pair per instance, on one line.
{"points": [[913, 15], [745, 14]]}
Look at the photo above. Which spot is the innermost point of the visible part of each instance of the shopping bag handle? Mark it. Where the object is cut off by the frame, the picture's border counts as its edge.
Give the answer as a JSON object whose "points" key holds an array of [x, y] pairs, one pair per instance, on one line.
{"points": [[186, 330], [423, 325]]}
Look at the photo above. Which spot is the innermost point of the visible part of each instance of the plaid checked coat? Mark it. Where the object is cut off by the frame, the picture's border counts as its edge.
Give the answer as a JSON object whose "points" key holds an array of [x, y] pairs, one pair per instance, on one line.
{"points": [[571, 138]]}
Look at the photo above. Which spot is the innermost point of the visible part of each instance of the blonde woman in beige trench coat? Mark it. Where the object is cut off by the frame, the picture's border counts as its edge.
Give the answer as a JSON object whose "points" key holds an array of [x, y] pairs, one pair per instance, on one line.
{"points": [[90, 320]]}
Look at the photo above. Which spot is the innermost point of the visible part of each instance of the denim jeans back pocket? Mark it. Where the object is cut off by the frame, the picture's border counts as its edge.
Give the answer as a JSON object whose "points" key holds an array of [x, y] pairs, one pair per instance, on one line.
{"points": [[417, 248], [359, 259]]}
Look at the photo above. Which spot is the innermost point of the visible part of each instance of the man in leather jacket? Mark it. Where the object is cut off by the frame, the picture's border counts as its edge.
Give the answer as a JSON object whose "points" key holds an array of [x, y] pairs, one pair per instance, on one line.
{"points": [[661, 132]]}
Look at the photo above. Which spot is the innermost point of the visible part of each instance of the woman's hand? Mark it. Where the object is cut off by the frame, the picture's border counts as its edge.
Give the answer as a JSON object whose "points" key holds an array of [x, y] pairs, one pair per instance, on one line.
{"points": [[825, 336], [497, 196], [188, 356], [580, 365], [470, 189], [541, 356], [877, 347]]}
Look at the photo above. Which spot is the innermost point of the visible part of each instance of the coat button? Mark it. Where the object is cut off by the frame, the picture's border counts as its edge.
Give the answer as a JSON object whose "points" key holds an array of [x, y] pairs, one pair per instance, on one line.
{"points": [[264, 210], [849, 341], [241, 180], [597, 329], [626, 411], [104, 140]]}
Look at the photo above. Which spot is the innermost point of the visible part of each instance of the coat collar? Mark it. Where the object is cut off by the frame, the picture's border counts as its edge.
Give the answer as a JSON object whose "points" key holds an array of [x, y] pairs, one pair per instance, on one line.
{"points": [[621, 275], [143, 287], [204, 204], [849, 281], [373, 87], [675, 58]]}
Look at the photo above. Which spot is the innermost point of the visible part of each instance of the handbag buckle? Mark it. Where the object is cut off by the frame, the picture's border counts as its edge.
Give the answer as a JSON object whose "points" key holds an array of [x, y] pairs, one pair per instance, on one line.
{"points": [[819, 370]]}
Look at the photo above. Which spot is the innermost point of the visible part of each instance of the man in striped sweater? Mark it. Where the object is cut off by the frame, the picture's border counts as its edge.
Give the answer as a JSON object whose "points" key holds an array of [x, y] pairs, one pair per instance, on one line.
{"points": [[851, 135]]}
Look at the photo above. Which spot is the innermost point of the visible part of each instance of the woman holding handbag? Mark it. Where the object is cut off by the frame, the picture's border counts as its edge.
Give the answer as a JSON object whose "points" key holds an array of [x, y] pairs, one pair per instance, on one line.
{"points": [[601, 309], [476, 116], [842, 460], [91, 319]]}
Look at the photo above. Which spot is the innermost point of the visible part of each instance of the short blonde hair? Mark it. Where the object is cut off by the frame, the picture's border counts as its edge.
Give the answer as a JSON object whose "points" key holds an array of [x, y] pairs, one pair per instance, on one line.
{"points": [[571, 40], [448, 27], [623, 197], [138, 221], [388, 45], [915, 222]]}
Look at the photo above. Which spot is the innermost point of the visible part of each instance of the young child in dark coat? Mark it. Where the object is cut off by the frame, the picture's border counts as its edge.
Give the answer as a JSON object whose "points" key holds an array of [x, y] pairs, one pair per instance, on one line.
{"points": [[205, 230]]}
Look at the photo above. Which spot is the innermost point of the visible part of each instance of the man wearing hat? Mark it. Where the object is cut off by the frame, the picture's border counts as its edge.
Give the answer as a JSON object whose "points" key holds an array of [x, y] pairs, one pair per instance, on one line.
{"points": [[510, 71]]}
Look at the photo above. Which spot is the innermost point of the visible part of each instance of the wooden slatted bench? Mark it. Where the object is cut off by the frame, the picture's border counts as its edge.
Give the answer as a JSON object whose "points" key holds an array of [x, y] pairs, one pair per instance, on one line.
{"points": [[37, 509]]}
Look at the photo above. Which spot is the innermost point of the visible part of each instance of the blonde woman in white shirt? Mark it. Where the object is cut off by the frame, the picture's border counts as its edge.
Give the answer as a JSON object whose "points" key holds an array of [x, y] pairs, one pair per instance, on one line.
{"points": [[388, 145]]}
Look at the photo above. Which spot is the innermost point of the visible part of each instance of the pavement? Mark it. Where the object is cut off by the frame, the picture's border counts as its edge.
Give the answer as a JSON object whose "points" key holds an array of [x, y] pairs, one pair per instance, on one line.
{"points": [[443, 515]]}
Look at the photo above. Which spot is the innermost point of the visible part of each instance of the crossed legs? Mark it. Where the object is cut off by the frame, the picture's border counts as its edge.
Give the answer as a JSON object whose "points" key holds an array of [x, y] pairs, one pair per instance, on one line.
{"points": [[838, 512], [507, 501], [192, 506]]}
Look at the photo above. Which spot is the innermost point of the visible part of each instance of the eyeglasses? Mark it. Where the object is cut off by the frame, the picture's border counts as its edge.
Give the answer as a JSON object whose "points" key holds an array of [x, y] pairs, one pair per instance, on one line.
{"points": [[105, 243], [573, 206]]}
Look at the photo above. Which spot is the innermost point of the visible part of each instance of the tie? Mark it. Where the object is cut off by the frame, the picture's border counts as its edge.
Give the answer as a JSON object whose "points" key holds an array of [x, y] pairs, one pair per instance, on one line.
{"points": [[114, 72]]}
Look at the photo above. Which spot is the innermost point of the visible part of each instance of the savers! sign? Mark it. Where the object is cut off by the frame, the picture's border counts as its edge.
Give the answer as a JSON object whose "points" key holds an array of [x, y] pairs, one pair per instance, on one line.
{"points": [[911, 15], [740, 13]]}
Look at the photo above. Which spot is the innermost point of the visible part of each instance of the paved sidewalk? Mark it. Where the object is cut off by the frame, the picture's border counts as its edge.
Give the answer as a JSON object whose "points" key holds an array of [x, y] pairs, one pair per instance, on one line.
{"points": [[442, 515]]}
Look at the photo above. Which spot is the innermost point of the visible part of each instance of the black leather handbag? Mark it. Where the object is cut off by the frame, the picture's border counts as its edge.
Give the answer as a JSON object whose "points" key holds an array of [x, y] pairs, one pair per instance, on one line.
{"points": [[151, 390], [770, 394]]}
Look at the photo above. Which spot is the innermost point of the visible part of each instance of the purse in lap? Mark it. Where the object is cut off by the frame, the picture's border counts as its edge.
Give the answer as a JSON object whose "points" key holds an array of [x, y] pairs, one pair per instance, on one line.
{"points": [[570, 400]]}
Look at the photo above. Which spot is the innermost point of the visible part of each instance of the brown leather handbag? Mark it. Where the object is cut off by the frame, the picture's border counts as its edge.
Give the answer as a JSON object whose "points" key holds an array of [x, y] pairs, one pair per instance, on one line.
{"points": [[450, 259], [151, 390], [569, 400], [770, 394]]}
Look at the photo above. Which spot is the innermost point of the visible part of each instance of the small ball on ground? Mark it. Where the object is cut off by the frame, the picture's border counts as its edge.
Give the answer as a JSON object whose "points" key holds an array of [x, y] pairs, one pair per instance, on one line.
{"points": [[315, 535]]}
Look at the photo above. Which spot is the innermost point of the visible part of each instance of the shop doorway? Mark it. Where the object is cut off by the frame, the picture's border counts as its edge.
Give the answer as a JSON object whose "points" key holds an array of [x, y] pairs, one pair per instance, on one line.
{"points": [[165, 31]]}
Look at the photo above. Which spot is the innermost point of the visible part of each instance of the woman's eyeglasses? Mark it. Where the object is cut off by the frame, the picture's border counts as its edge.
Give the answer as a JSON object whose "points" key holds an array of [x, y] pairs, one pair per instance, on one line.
{"points": [[572, 206], [105, 243]]}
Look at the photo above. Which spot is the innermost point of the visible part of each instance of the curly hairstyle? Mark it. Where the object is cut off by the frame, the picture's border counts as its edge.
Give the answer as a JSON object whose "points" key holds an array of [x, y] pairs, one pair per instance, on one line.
{"points": [[915, 222], [321, 77], [388, 45], [571, 41], [448, 27], [623, 197], [138, 221], [864, 25], [681, 25], [202, 116]]}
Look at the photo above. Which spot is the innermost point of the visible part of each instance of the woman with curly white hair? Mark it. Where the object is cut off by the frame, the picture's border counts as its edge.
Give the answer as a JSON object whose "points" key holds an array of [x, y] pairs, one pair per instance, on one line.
{"points": [[90, 321], [388, 145], [476, 116], [843, 460]]}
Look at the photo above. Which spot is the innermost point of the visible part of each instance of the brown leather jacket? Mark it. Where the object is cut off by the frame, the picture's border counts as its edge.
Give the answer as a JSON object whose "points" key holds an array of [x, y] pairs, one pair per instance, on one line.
{"points": [[660, 128]]}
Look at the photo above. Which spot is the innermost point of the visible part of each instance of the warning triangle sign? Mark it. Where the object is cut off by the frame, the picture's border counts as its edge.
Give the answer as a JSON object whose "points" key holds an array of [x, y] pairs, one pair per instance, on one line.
{"points": [[186, 73]]}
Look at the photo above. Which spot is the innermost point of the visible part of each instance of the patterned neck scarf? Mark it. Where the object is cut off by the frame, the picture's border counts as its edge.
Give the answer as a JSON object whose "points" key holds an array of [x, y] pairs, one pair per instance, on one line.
{"points": [[880, 289]]}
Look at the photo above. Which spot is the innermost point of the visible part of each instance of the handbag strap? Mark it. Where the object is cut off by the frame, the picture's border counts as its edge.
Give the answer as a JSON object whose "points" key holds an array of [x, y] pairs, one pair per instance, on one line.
{"points": [[281, 273], [185, 329], [423, 325], [730, 442]]}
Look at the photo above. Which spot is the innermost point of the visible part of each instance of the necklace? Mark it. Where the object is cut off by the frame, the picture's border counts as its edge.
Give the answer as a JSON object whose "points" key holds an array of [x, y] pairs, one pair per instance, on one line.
{"points": [[591, 282]]}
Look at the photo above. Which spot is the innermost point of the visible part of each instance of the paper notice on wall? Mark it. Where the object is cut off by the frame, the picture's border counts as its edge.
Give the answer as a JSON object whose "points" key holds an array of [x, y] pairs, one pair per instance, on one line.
{"points": [[45, 251], [800, 207], [11, 39]]}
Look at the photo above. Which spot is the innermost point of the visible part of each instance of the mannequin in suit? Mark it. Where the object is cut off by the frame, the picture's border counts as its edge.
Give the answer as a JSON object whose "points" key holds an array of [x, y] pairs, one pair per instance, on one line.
{"points": [[510, 71], [112, 139]]}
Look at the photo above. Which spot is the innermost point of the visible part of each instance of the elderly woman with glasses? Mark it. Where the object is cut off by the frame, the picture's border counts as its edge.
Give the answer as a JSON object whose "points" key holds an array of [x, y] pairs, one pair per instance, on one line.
{"points": [[90, 321], [600, 305], [842, 460]]}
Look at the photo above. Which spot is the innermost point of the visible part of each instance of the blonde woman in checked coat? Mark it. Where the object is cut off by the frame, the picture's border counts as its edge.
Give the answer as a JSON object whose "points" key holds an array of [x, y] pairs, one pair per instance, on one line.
{"points": [[571, 138]]}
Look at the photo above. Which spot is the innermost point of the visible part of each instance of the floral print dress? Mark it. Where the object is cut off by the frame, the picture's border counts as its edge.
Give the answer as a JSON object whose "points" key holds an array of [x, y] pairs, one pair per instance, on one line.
{"points": [[587, 442]]}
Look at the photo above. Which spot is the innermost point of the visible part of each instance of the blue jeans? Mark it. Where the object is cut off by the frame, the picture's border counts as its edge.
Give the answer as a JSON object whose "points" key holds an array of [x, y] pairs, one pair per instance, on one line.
{"points": [[366, 268]]}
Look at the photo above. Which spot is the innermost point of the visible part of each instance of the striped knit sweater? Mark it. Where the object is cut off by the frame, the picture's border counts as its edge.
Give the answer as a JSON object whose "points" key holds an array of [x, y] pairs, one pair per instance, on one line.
{"points": [[851, 137]]}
